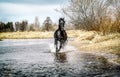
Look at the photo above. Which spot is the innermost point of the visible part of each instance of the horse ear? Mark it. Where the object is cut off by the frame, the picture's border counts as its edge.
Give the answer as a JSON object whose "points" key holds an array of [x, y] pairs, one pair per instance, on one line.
{"points": [[64, 19]]}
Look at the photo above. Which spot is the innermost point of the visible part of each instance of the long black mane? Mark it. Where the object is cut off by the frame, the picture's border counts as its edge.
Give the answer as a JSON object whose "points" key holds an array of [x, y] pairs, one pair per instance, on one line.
{"points": [[60, 35]]}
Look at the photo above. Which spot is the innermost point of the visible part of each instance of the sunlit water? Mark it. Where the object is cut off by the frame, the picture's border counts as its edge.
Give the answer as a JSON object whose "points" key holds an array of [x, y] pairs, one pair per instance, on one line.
{"points": [[37, 57]]}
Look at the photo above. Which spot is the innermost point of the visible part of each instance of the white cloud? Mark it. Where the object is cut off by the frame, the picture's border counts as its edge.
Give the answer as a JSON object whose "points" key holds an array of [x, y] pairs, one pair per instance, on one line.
{"points": [[28, 11]]}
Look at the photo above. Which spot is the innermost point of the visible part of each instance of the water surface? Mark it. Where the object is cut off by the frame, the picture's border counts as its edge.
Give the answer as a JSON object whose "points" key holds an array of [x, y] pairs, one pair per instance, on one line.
{"points": [[36, 58]]}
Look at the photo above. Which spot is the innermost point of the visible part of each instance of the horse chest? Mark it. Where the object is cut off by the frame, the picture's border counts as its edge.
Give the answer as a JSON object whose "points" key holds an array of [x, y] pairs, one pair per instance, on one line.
{"points": [[60, 35]]}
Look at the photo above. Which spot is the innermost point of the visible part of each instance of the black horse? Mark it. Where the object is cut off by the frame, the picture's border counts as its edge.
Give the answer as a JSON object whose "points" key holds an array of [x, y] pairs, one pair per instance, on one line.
{"points": [[60, 35]]}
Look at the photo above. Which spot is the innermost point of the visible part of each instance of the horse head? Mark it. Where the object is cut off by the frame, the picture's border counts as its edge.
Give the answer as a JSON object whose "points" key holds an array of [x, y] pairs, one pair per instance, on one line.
{"points": [[61, 23]]}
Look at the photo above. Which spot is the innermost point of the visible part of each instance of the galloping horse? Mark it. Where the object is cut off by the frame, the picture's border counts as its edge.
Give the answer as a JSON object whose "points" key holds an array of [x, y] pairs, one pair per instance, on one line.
{"points": [[60, 35]]}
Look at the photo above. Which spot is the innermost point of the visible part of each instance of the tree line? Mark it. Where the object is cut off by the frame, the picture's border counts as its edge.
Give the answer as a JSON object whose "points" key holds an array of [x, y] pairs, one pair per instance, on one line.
{"points": [[6, 27], [24, 26]]}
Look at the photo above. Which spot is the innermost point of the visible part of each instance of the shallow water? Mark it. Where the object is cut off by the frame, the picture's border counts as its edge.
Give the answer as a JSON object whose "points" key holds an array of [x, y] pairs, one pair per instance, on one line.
{"points": [[37, 58]]}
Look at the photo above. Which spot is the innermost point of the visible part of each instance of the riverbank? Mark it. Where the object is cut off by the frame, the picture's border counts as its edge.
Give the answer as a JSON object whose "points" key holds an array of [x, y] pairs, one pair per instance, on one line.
{"points": [[88, 41], [91, 42], [34, 35]]}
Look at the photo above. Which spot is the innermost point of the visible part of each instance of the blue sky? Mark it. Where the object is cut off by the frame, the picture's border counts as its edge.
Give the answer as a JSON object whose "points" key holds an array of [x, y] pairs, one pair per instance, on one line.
{"points": [[18, 10]]}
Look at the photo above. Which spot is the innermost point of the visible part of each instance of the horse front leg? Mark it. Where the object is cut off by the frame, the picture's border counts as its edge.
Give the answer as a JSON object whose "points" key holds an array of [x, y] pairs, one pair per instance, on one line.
{"points": [[56, 45], [60, 46], [57, 48]]}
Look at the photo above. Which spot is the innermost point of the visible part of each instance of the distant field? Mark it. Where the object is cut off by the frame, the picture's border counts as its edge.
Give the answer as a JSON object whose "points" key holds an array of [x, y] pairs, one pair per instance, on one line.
{"points": [[25, 35], [34, 35]]}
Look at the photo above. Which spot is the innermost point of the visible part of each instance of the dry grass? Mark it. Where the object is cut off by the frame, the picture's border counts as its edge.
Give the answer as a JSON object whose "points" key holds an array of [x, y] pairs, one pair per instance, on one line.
{"points": [[25, 35], [91, 41], [34, 35]]}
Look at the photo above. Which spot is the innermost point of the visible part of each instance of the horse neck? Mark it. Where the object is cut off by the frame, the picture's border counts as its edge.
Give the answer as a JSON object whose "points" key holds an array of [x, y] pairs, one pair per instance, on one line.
{"points": [[59, 28]]}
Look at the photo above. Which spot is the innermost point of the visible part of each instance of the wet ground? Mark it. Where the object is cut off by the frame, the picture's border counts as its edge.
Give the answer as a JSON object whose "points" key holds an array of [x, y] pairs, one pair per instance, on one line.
{"points": [[36, 58]]}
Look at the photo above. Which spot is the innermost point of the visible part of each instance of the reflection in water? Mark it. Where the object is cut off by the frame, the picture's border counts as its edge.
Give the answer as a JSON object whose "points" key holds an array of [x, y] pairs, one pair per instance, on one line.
{"points": [[60, 57], [28, 58]]}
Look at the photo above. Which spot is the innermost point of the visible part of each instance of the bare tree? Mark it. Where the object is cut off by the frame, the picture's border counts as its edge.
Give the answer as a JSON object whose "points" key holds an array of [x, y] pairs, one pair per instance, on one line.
{"points": [[9, 27], [47, 24], [31, 27], [36, 25], [116, 12], [10, 24], [87, 14], [2, 25], [23, 25], [17, 26]]}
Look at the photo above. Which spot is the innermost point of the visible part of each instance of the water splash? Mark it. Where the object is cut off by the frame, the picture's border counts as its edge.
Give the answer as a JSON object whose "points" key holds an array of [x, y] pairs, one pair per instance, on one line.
{"points": [[67, 48]]}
